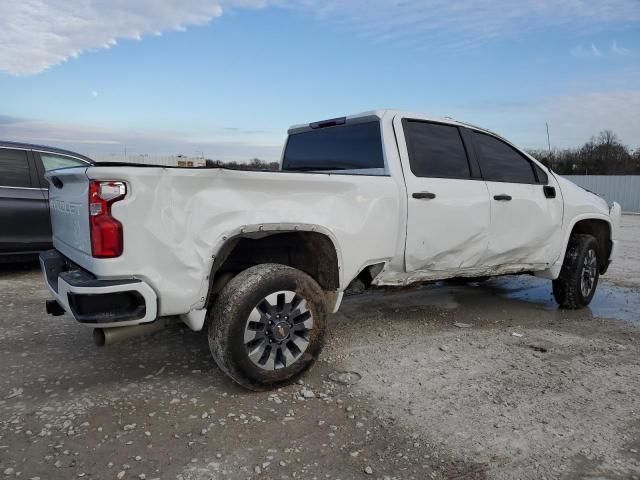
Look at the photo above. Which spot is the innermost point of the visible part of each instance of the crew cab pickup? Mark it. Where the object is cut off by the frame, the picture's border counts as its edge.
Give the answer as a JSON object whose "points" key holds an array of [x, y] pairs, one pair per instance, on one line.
{"points": [[259, 259]]}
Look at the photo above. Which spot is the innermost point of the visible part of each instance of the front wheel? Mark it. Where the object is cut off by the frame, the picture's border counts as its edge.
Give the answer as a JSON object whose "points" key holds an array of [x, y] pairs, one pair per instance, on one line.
{"points": [[267, 326], [576, 285]]}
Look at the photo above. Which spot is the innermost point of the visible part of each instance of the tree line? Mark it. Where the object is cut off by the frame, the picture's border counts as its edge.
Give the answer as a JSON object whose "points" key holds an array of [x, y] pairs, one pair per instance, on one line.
{"points": [[603, 154], [253, 164]]}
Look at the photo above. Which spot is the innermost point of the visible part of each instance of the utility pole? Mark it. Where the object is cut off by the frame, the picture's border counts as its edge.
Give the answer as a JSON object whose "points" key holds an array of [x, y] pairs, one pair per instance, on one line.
{"points": [[548, 139]]}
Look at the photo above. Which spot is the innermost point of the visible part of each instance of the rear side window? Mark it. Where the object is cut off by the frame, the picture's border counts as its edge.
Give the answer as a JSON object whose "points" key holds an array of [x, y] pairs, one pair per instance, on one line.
{"points": [[345, 147], [436, 150], [14, 168], [500, 162], [53, 162]]}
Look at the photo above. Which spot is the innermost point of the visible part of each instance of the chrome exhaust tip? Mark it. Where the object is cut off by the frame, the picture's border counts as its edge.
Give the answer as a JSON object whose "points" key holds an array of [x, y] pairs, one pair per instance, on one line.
{"points": [[103, 337]]}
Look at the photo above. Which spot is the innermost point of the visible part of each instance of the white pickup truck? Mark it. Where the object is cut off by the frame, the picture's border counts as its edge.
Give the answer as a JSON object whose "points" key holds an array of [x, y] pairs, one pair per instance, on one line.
{"points": [[258, 259]]}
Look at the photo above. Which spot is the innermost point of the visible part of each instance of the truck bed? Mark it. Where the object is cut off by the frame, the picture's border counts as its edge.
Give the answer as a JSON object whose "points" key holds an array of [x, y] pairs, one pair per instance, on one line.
{"points": [[176, 219]]}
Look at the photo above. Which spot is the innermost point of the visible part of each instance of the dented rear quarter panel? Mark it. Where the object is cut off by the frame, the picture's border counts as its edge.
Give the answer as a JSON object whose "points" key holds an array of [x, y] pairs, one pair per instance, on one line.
{"points": [[176, 220]]}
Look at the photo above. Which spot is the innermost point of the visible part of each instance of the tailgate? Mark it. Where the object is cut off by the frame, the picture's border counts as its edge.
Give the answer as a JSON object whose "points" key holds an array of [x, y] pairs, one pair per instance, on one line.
{"points": [[69, 206]]}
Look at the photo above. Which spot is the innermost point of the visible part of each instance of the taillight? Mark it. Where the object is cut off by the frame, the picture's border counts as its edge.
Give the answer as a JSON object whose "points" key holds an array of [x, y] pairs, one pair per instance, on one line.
{"points": [[106, 231]]}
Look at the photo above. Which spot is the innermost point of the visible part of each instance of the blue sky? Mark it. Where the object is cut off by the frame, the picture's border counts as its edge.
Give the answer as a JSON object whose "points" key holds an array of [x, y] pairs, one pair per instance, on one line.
{"points": [[227, 77]]}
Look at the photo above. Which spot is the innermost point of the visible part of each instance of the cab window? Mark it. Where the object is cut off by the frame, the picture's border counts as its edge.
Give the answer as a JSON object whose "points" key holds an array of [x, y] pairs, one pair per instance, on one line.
{"points": [[343, 147], [500, 162], [436, 150]]}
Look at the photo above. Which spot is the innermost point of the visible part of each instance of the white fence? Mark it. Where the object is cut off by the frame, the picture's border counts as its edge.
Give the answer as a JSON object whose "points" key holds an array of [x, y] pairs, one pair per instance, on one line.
{"points": [[624, 189]]}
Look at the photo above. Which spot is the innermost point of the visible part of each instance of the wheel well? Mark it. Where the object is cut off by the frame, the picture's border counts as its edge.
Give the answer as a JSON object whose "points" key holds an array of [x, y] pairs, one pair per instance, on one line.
{"points": [[311, 252], [601, 230]]}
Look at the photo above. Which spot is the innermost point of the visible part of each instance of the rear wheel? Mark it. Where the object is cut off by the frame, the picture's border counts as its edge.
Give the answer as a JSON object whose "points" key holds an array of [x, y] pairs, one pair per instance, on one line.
{"points": [[576, 285], [267, 326]]}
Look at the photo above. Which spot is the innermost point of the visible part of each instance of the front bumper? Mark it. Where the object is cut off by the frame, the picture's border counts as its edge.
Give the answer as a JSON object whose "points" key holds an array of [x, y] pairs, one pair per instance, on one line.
{"points": [[96, 302]]}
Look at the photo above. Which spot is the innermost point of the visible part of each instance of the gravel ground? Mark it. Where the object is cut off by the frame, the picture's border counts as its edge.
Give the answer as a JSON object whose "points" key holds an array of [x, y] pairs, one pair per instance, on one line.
{"points": [[446, 391]]}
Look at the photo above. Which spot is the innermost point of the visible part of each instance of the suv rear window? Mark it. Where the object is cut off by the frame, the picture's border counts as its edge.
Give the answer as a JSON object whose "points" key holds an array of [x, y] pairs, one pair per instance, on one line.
{"points": [[51, 161], [345, 147]]}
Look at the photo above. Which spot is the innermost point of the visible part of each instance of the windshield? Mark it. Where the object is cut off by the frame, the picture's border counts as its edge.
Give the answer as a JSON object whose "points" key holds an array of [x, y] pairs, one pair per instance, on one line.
{"points": [[344, 147]]}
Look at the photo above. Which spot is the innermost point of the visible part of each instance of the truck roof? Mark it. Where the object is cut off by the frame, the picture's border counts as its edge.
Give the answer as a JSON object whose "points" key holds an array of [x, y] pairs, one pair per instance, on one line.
{"points": [[381, 113]]}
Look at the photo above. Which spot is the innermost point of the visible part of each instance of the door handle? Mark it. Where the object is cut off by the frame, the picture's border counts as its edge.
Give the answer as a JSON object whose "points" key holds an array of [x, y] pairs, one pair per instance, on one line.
{"points": [[502, 197], [424, 195]]}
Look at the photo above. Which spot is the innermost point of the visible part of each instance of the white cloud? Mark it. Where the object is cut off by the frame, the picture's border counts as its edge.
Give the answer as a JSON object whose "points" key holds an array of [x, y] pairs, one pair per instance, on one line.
{"points": [[583, 52], [38, 34], [619, 50], [594, 51], [473, 21]]}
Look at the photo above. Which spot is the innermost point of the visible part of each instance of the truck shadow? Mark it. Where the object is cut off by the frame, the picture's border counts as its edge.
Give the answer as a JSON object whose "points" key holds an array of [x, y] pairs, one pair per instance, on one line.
{"points": [[522, 297], [10, 268]]}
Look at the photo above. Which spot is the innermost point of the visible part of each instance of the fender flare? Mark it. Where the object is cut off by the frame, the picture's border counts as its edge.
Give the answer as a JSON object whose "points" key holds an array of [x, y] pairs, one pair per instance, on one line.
{"points": [[227, 241], [574, 221]]}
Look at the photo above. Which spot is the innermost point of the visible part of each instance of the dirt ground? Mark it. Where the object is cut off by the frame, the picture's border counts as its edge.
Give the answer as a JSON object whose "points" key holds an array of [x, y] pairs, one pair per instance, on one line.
{"points": [[517, 389]]}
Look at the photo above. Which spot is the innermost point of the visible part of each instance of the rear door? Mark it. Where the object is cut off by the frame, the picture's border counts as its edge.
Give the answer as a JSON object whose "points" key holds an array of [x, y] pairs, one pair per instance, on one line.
{"points": [[526, 208], [448, 202], [24, 215]]}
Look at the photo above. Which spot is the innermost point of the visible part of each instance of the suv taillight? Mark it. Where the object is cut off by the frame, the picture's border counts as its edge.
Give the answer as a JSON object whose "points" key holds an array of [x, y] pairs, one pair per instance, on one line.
{"points": [[106, 231]]}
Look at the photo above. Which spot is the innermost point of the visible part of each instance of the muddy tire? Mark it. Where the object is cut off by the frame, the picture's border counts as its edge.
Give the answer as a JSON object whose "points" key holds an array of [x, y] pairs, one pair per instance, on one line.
{"points": [[576, 285], [267, 326]]}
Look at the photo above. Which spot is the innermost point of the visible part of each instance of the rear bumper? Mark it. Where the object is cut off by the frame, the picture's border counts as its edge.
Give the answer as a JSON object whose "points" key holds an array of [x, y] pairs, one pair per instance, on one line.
{"points": [[96, 302]]}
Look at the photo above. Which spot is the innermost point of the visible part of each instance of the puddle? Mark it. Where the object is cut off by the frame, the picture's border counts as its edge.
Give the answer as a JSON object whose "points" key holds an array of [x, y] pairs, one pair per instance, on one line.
{"points": [[609, 301]]}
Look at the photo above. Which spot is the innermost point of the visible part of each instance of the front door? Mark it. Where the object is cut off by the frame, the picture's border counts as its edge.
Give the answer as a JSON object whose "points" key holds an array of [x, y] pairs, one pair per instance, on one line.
{"points": [[526, 207], [448, 203]]}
